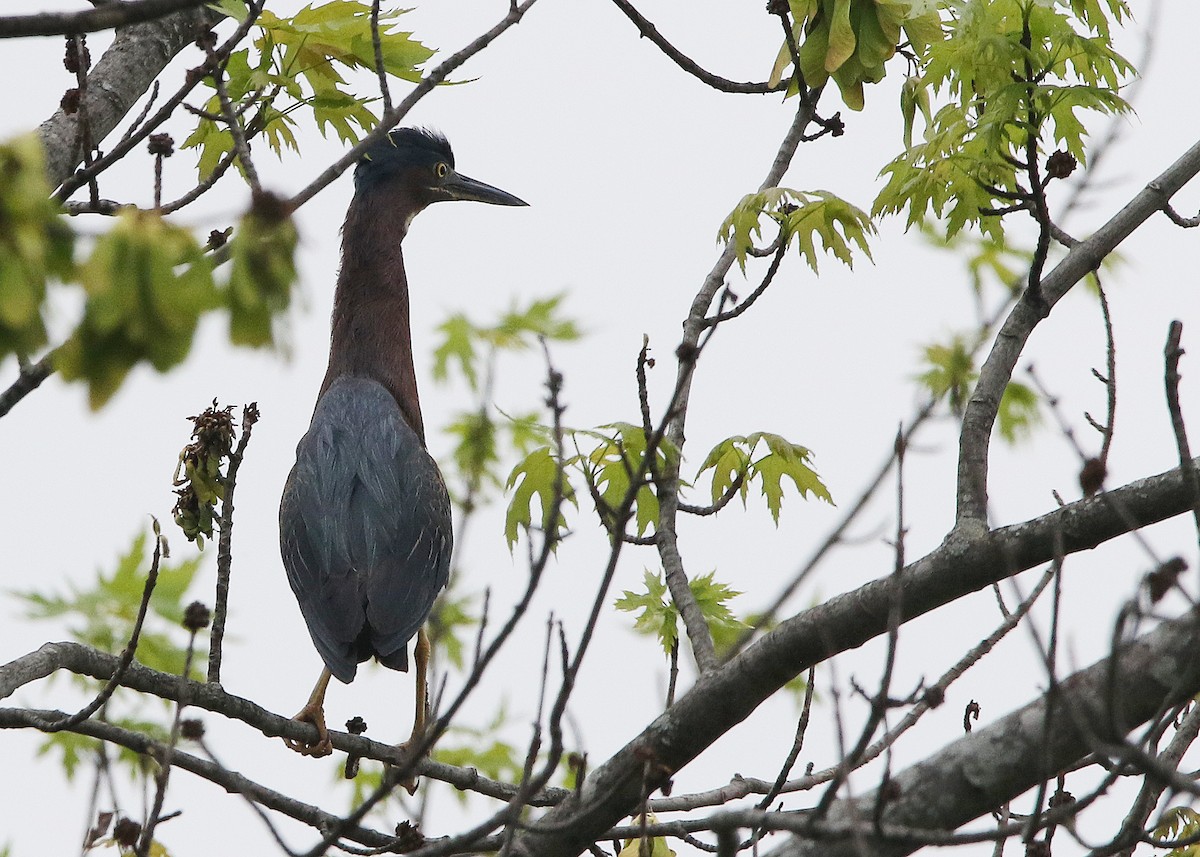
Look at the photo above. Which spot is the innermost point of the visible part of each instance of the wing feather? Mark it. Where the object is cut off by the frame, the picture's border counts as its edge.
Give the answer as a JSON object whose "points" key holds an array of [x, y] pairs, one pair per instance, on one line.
{"points": [[364, 528]]}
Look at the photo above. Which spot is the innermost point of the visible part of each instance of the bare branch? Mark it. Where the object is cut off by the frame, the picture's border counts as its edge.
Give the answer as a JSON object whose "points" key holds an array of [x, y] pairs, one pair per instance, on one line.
{"points": [[649, 31], [136, 57], [997, 370], [29, 378], [105, 17], [225, 544], [991, 766], [231, 781], [721, 699], [1172, 353]]}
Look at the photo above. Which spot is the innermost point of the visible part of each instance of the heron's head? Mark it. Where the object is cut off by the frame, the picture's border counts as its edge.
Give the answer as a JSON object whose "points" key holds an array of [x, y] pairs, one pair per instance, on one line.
{"points": [[418, 166]]}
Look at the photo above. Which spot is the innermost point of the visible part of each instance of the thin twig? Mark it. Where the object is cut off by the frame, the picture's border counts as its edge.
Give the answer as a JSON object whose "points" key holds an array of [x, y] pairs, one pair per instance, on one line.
{"points": [[105, 17], [1172, 352], [122, 148], [127, 654], [649, 31], [29, 378], [384, 90], [225, 545], [164, 774]]}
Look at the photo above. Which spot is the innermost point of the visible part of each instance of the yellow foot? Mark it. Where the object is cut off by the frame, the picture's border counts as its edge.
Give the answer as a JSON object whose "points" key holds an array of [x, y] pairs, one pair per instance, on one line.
{"points": [[409, 783], [315, 715]]}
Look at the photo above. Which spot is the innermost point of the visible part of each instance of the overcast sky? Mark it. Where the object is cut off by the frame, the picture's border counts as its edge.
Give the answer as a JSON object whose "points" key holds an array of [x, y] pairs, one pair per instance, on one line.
{"points": [[629, 167]]}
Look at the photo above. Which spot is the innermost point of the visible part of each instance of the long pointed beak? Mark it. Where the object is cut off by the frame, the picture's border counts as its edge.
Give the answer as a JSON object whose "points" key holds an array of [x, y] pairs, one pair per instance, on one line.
{"points": [[458, 186]]}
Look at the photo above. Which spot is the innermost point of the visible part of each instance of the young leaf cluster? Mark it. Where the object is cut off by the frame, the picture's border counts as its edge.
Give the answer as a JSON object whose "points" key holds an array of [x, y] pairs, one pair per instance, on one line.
{"points": [[612, 463], [849, 41], [147, 284], [103, 616], [734, 466], [1176, 823], [471, 351], [1014, 74], [803, 217], [199, 474], [262, 271], [297, 63], [35, 244], [658, 615], [147, 281]]}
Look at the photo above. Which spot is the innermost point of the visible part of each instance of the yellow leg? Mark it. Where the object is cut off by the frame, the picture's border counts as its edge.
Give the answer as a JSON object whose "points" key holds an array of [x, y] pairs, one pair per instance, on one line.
{"points": [[421, 715], [314, 712], [421, 656]]}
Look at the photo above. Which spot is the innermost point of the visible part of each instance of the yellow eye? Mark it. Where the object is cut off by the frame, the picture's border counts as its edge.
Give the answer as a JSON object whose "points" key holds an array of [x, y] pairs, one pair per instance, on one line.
{"points": [[441, 170]]}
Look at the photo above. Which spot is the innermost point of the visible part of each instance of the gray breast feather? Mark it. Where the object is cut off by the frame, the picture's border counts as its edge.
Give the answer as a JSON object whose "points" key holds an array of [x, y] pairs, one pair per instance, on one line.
{"points": [[364, 528]]}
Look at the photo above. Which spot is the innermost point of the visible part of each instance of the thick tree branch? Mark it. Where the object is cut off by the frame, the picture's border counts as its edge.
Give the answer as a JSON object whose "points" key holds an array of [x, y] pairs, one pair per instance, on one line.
{"points": [[985, 769], [83, 660], [997, 370], [231, 781], [104, 17], [131, 64], [724, 697]]}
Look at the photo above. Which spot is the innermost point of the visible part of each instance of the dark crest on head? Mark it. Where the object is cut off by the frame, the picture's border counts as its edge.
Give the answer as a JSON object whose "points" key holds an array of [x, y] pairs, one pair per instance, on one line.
{"points": [[401, 149]]}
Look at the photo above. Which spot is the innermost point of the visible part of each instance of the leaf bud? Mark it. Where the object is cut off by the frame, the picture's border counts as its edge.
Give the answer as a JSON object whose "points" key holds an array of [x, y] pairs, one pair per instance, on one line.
{"points": [[197, 616], [70, 102], [1060, 165], [192, 729], [126, 832], [161, 144]]}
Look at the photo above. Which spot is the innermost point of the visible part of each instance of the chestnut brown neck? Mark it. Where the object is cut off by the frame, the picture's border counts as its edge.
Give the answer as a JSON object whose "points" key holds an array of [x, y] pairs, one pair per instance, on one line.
{"points": [[371, 335]]}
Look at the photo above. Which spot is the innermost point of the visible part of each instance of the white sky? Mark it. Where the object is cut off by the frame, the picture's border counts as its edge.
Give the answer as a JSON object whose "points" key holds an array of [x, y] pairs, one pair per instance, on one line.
{"points": [[629, 166]]}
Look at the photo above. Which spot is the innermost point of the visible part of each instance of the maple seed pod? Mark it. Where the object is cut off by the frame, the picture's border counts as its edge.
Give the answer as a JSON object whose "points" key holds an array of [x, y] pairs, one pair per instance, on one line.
{"points": [[890, 791], [1162, 579], [197, 616]]}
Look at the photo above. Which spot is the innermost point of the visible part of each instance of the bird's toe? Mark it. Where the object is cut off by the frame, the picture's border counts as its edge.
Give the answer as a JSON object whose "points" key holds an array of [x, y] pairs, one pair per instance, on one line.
{"points": [[323, 746]]}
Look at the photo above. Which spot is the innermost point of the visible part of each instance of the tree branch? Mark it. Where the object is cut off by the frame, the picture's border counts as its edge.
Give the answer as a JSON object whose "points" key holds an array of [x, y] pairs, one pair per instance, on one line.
{"points": [[992, 766], [726, 696], [130, 65], [649, 31], [1086, 256], [231, 781], [29, 379], [83, 660], [104, 17]]}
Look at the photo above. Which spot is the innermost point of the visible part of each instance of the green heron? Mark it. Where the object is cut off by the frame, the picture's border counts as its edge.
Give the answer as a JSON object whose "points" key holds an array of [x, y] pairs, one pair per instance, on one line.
{"points": [[364, 523]]}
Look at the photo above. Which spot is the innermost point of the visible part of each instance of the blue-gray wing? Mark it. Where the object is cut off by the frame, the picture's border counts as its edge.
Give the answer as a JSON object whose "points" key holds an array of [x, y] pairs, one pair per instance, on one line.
{"points": [[364, 528]]}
